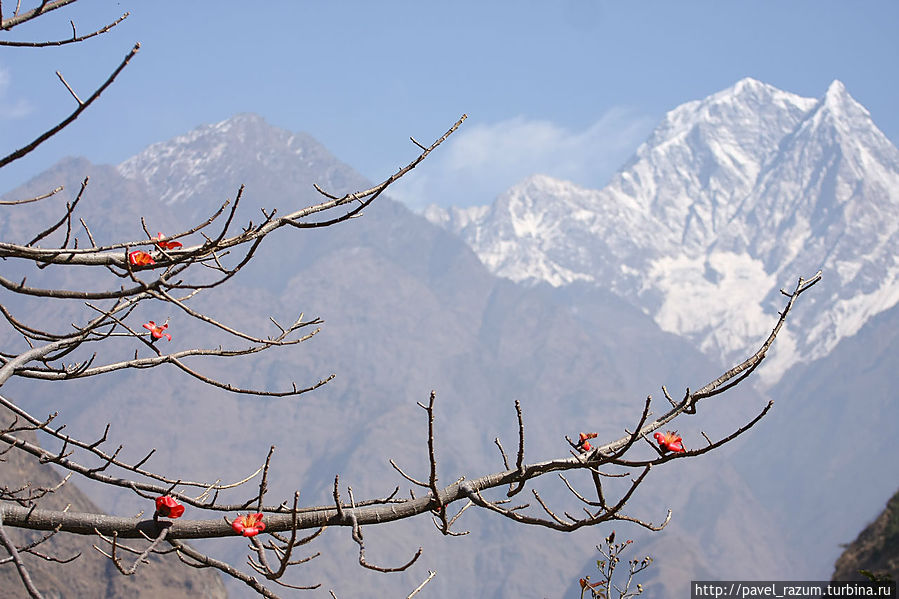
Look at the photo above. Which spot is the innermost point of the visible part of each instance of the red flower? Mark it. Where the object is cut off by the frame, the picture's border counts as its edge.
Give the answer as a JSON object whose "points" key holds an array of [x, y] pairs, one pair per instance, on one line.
{"points": [[167, 245], [249, 525], [670, 441], [140, 258], [156, 330], [583, 443], [168, 507], [586, 584]]}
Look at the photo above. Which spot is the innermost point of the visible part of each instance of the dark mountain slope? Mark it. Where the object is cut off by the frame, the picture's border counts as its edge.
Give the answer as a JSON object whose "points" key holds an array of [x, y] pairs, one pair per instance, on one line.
{"points": [[875, 550]]}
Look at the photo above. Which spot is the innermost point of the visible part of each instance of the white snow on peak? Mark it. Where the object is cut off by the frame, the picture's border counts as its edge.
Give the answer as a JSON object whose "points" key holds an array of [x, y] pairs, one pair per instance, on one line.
{"points": [[189, 156], [731, 198], [705, 157], [742, 109], [215, 159], [837, 94]]}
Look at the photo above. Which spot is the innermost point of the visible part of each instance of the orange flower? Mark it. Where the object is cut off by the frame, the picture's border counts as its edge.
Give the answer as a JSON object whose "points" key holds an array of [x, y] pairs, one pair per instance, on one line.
{"points": [[140, 258], [157, 330], [586, 584], [670, 441], [167, 245], [249, 525], [168, 507], [583, 443]]}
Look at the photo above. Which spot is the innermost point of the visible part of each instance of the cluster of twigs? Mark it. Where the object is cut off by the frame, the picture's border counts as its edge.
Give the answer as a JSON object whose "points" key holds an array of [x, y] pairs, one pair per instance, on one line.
{"points": [[603, 587], [167, 269]]}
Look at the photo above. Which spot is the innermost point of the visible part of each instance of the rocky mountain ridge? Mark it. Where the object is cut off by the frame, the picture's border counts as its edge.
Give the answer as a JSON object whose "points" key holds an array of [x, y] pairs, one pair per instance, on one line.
{"points": [[731, 199], [875, 550]]}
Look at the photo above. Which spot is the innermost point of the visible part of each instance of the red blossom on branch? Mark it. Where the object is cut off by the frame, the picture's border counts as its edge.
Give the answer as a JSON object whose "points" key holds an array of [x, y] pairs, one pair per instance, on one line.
{"points": [[140, 258], [168, 507], [670, 441], [586, 584], [167, 245], [157, 331], [583, 443], [249, 525]]}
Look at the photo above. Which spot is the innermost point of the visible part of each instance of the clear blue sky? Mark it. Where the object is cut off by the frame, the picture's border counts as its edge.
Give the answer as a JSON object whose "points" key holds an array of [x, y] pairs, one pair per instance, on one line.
{"points": [[568, 88]]}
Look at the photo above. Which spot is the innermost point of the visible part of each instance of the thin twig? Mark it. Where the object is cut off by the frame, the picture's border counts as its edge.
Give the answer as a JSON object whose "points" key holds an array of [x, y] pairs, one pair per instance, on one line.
{"points": [[69, 119]]}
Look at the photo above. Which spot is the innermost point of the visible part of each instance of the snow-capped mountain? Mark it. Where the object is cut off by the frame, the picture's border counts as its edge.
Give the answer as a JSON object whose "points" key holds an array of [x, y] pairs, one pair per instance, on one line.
{"points": [[212, 161], [729, 200]]}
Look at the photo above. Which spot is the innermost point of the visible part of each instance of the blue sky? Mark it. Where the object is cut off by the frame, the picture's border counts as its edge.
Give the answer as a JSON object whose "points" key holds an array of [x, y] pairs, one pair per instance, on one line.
{"points": [[568, 88]]}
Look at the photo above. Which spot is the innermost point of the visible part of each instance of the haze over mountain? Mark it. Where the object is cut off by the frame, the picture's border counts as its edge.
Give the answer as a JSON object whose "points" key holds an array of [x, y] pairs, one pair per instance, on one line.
{"points": [[830, 442], [731, 199], [408, 308]]}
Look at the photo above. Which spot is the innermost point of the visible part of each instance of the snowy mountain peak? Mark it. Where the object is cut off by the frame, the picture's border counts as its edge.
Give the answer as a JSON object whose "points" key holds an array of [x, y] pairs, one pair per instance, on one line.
{"points": [[837, 93], [212, 161], [704, 158], [840, 107], [731, 198], [750, 85], [742, 108], [188, 159]]}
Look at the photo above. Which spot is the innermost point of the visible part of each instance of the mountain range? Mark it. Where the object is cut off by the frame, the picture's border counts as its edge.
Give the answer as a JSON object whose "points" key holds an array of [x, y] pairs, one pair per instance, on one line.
{"points": [[613, 293], [732, 198]]}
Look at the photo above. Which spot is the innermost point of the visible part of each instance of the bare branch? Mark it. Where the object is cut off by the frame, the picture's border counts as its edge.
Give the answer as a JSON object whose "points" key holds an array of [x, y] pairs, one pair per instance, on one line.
{"points": [[81, 107], [431, 574], [44, 7], [17, 560], [72, 40], [30, 200], [221, 566]]}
